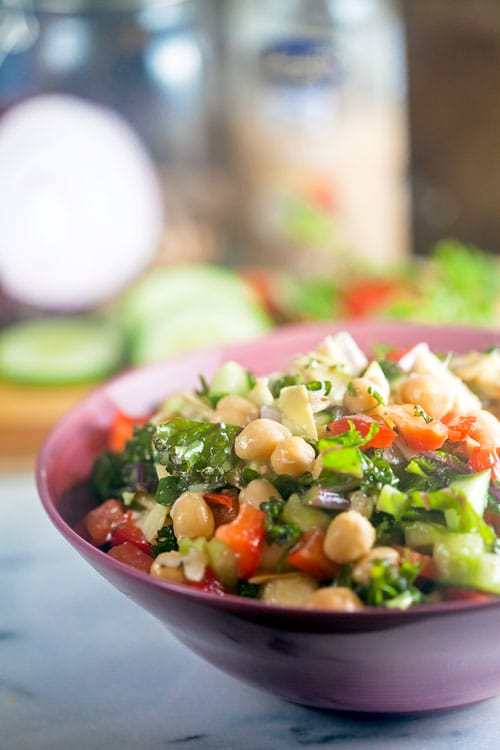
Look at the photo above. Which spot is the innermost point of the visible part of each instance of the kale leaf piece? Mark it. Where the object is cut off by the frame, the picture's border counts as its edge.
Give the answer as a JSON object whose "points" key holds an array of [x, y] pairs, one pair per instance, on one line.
{"points": [[277, 530], [430, 471], [129, 471], [392, 585], [199, 452], [165, 541]]}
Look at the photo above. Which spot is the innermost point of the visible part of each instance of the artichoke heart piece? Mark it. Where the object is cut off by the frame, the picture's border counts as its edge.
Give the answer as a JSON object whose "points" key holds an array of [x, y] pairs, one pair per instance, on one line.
{"points": [[297, 411]]}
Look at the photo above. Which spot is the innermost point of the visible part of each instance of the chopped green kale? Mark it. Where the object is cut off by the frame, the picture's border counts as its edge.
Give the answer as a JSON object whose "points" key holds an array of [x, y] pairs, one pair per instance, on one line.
{"points": [[199, 452], [248, 590], [131, 470], [165, 541], [276, 530], [392, 585]]}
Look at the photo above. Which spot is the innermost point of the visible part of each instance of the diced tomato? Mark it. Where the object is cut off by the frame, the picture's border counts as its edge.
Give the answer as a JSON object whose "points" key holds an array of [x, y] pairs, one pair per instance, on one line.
{"points": [[384, 437], [130, 532], [466, 595], [418, 433], [459, 427], [122, 430], [367, 296], [482, 458], [308, 555], [131, 555], [102, 521], [493, 519], [245, 536], [428, 567], [210, 583]]}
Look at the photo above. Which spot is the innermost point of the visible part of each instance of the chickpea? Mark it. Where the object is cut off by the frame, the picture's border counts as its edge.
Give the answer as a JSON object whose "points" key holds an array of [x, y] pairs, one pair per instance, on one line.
{"points": [[290, 589], [428, 392], [235, 410], [361, 395], [191, 516], [348, 537], [335, 598], [362, 571], [168, 567], [293, 456], [258, 439], [258, 491]]}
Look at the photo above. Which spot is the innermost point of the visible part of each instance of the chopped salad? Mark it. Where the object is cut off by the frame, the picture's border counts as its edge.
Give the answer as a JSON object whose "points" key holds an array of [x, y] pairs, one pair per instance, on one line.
{"points": [[339, 483]]}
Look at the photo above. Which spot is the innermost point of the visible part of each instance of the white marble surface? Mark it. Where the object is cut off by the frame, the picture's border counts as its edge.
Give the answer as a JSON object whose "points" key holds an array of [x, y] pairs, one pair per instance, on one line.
{"points": [[83, 668]]}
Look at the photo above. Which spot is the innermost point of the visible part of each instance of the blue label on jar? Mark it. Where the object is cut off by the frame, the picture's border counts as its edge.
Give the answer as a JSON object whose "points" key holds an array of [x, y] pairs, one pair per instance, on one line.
{"points": [[300, 62]]}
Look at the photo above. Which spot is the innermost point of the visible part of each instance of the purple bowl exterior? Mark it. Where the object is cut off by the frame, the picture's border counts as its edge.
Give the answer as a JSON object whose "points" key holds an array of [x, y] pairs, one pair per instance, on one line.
{"points": [[426, 659]]}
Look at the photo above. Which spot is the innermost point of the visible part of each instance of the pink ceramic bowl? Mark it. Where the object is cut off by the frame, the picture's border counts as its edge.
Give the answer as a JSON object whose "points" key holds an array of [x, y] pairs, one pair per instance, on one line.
{"points": [[425, 659]]}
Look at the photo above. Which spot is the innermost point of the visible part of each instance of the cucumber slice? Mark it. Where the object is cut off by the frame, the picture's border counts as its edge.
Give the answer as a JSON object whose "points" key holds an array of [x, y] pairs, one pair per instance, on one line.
{"points": [[230, 378], [59, 351], [474, 488], [194, 327], [304, 516], [164, 291], [457, 558], [419, 535], [487, 577]]}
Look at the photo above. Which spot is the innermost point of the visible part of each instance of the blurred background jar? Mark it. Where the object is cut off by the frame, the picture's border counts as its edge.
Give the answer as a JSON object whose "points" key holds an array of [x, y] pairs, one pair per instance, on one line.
{"points": [[111, 170], [317, 109], [109, 158]]}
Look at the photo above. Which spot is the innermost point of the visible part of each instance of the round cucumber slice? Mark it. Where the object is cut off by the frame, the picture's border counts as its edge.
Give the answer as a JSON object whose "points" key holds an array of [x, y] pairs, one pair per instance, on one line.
{"points": [[195, 328], [59, 351], [164, 292]]}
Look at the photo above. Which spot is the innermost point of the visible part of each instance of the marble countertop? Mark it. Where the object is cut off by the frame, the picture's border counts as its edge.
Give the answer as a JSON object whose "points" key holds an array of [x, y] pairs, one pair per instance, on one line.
{"points": [[84, 668]]}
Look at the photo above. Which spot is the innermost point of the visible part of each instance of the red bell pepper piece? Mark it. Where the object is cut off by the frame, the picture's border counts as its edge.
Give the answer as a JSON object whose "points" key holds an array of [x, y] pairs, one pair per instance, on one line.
{"points": [[383, 438], [245, 536], [459, 427], [418, 433], [482, 458], [122, 430], [308, 555]]}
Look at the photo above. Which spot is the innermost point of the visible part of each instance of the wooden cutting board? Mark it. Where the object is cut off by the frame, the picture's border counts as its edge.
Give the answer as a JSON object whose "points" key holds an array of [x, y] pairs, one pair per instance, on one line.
{"points": [[27, 414]]}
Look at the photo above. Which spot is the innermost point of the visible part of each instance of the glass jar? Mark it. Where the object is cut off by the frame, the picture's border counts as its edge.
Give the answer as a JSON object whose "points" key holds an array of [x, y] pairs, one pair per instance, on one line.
{"points": [[109, 167], [318, 122], [108, 152]]}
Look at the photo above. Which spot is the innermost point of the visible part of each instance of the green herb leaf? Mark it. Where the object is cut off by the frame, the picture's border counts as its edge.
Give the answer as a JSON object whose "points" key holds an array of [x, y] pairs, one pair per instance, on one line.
{"points": [[169, 489], [276, 530], [199, 452], [165, 541]]}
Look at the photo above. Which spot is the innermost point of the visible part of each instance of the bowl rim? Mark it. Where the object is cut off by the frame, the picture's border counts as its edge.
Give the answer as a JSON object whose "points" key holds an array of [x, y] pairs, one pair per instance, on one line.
{"points": [[228, 601]]}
